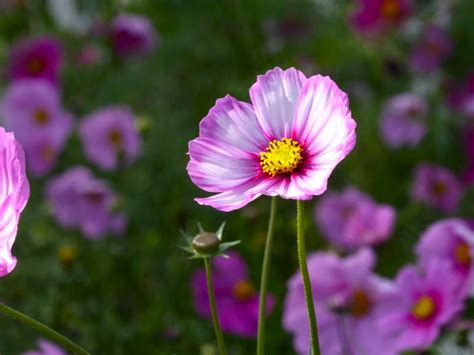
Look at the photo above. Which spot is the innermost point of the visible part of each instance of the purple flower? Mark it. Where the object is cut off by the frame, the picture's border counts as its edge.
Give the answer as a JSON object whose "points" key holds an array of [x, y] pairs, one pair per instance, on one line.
{"points": [[434, 47], [427, 299], [109, 134], [348, 298], [45, 347], [32, 109], [133, 34], [436, 186], [402, 121], [236, 298], [286, 144], [39, 58], [351, 219], [78, 200], [376, 16], [14, 194]]}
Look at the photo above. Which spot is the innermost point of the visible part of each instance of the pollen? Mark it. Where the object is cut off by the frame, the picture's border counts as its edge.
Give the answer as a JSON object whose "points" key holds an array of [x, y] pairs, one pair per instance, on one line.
{"points": [[36, 66], [41, 116], [115, 138], [462, 254], [281, 157], [360, 304], [390, 9], [423, 308], [243, 290]]}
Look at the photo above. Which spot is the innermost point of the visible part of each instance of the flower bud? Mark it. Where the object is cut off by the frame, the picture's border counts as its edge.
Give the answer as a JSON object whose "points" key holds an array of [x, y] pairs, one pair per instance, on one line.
{"points": [[206, 243]]}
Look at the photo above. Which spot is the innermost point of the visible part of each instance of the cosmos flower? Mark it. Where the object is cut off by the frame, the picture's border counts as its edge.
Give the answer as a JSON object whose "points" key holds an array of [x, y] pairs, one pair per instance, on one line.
{"points": [[286, 144], [45, 347], [427, 299], [236, 298], [39, 58], [133, 34], [461, 96], [375, 16], [348, 298], [108, 135], [402, 122], [79, 200], [433, 48], [436, 186], [351, 219], [32, 109], [14, 194]]}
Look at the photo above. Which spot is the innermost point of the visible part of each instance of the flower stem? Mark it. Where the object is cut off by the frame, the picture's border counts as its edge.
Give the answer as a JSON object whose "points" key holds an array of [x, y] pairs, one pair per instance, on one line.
{"points": [[308, 294], [264, 280], [212, 304], [44, 330]]}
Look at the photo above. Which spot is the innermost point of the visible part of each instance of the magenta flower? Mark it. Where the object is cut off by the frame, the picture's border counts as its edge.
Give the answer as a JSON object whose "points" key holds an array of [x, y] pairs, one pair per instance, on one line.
{"points": [[36, 58], [402, 121], [236, 297], [348, 299], [108, 135], [45, 347], [433, 48], [450, 241], [286, 144], [32, 109], [14, 194], [351, 219], [427, 299], [436, 186], [133, 34], [79, 200], [461, 96], [376, 16]]}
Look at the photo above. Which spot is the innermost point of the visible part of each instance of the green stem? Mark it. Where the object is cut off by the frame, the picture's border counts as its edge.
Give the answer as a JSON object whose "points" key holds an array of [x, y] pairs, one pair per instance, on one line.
{"points": [[212, 304], [308, 294], [44, 330], [264, 280]]}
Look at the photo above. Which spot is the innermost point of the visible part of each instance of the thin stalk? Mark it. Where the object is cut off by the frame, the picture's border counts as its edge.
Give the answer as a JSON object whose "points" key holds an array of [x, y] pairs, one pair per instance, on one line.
{"points": [[44, 330], [264, 280], [212, 304], [308, 294]]}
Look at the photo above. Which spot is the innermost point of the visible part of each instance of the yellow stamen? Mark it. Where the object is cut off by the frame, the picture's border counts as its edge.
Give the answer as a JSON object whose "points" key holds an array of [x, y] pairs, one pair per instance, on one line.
{"points": [[360, 304], [243, 290], [281, 157], [390, 9], [462, 254], [439, 188], [41, 116], [423, 308], [48, 153], [36, 65], [115, 138]]}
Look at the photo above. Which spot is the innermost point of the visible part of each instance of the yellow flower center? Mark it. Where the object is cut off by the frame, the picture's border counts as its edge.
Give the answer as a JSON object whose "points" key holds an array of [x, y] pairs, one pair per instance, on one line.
{"points": [[48, 153], [41, 116], [423, 308], [243, 290], [281, 157], [462, 254], [390, 9], [360, 304], [115, 138], [67, 254], [36, 65], [439, 188]]}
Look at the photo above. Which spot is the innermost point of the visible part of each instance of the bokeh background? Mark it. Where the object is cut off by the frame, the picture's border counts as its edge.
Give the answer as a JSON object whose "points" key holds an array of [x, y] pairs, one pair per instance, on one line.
{"points": [[131, 293]]}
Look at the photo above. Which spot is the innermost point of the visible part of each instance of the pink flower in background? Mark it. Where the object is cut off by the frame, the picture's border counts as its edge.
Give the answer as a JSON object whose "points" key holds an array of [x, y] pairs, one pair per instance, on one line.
{"points": [[79, 200], [402, 122], [108, 135], [39, 58], [433, 48], [351, 219], [437, 187], [133, 34], [348, 298], [236, 298], [375, 16], [14, 194], [286, 144], [461, 96], [45, 347], [427, 299], [32, 109], [450, 241]]}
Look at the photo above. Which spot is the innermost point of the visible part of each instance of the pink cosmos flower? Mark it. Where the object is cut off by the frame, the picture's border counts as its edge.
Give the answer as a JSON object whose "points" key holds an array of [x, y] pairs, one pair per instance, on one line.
{"points": [[133, 34], [461, 96], [36, 58], [286, 144], [45, 347], [427, 299], [433, 48], [351, 219], [402, 121], [14, 194], [79, 200], [32, 109], [108, 135], [450, 241], [376, 16], [436, 186], [236, 298], [348, 298]]}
